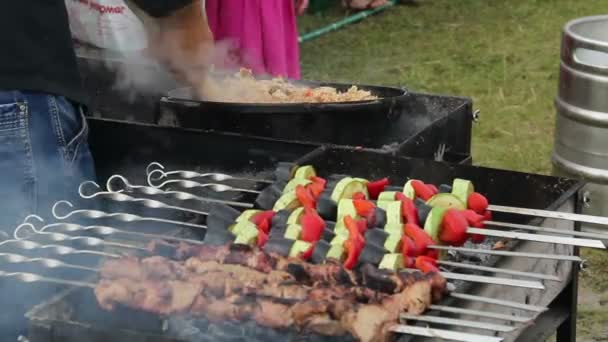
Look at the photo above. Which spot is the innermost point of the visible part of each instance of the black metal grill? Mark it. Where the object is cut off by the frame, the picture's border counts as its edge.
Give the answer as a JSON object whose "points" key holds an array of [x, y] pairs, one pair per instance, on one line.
{"points": [[74, 314]]}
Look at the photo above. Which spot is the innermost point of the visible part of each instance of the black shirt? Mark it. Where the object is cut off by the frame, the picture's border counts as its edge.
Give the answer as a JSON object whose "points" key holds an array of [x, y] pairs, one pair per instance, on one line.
{"points": [[37, 50]]}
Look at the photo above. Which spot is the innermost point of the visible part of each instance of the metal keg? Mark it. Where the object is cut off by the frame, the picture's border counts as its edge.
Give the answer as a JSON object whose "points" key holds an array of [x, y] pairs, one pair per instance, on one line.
{"points": [[581, 133]]}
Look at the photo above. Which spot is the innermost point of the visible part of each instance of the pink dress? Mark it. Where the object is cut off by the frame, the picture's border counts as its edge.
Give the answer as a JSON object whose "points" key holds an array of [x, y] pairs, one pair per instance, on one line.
{"points": [[258, 34]]}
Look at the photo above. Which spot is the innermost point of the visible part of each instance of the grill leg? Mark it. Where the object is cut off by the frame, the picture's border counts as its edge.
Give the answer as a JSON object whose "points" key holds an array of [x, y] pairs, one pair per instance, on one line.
{"points": [[566, 332]]}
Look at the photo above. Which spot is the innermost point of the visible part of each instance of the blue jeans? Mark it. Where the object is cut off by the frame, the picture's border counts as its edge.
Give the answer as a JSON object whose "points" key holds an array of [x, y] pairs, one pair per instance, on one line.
{"points": [[44, 156]]}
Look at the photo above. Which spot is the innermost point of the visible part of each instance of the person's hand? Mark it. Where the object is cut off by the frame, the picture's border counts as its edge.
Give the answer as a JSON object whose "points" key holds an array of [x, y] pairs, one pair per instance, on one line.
{"points": [[182, 43], [301, 6]]}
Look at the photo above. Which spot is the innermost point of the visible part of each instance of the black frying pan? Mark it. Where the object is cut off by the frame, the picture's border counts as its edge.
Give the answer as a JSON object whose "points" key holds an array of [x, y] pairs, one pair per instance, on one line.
{"points": [[371, 123]]}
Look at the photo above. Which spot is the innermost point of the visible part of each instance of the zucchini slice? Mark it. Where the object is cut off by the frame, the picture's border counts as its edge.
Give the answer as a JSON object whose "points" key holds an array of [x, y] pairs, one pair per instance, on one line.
{"points": [[295, 216], [241, 227], [433, 222], [393, 211], [336, 251], [247, 215], [288, 200], [408, 190], [293, 232], [394, 228], [462, 188], [387, 196], [299, 247], [393, 243], [393, 262], [446, 201], [247, 236], [305, 172], [293, 184], [346, 207], [347, 187]]}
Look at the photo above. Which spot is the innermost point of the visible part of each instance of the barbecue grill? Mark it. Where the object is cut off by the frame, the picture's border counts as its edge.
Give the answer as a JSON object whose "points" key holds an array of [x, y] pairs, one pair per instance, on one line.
{"points": [[74, 313]]}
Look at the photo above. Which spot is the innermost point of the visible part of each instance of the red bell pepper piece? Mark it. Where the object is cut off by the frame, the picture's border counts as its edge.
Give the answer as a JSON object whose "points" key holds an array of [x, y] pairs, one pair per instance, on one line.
{"points": [[477, 202], [408, 248], [422, 190], [432, 253], [305, 197], [354, 244], [362, 225], [453, 228], [426, 264], [400, 196], [421, 238], [263, 220], [364, 207], [359, 196], [433, 188], [306, 255], [319, 180], [487, 215], [409, 211], [409, 262], [312, 225], [262, 238], [376, 187], [315, 189], [353, 254], [474, 220], [354, 229]]}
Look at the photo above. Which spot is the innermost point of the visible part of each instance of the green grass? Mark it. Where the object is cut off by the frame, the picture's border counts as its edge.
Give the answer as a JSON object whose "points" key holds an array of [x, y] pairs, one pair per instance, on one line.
{"points": [[502, 53]]}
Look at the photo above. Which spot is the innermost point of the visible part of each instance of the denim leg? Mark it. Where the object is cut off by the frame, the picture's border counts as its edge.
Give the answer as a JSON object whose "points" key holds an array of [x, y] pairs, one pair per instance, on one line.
{"points": [[44, 156]]}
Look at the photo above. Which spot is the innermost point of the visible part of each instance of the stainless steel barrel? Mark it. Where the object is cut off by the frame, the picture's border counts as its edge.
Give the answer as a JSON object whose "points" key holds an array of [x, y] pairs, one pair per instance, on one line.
{"points": [[581, 133]]}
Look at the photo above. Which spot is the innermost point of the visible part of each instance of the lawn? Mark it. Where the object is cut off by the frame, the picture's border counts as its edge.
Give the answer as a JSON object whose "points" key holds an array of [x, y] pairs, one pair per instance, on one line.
{"points": [[503, 54]]}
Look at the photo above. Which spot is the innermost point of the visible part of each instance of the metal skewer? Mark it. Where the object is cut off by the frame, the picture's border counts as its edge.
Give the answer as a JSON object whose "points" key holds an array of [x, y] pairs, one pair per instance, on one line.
{"points": [[88, 241], [573, 258], [124, 217], [120, 184], [217, 187], [56, 249], [98, 230], [443, 334], [550, 214], [539, 238], [46, 262], [121, 197], [459, 322], [597, 236], [498, 270], [484, 314], [156, 171]]}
